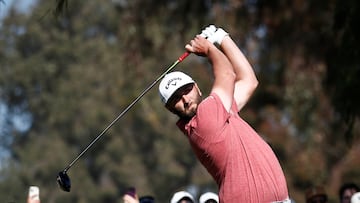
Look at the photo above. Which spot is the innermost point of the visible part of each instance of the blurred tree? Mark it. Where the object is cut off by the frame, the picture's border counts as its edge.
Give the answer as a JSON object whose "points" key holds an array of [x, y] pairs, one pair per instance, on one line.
{"points": [[73, 73], [343, 63], [75, 77]]}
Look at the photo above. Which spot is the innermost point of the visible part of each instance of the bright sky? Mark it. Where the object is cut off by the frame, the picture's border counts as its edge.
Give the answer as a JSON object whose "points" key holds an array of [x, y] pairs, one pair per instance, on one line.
{"points": [[5, 5], [21, 5]]}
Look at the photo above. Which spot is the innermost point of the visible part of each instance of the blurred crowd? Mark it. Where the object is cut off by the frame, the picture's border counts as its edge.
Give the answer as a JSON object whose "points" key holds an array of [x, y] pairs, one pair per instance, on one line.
{"points": [[181, 196], [347, 193]]}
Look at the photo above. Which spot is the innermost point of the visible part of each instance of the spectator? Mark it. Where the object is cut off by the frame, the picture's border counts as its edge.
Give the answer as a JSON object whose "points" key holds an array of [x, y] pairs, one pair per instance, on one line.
{"points": [[182, 197], [130, 199], [346, 191], [131, 196], [209, 197], [33, 195], [316, 194], [355, 198], [143, 199], [147, 199]]}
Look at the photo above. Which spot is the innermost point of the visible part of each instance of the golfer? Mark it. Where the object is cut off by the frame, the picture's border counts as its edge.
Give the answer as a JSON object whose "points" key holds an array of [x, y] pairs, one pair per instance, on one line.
{"points": [[240, 161]]}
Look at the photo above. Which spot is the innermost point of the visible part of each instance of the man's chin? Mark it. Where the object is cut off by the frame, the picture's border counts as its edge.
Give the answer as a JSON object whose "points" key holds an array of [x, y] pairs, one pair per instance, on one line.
{"points": [[188, 115]]}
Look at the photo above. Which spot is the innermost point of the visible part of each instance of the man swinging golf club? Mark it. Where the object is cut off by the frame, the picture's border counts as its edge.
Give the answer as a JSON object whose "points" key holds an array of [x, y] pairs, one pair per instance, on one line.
{"points": [[240, 161]]}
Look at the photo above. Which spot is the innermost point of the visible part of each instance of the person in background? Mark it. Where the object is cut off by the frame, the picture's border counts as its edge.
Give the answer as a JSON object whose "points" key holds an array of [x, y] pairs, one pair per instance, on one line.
{"points": [[243, 165], [316, 194], [147, 199], [130, 196], [209, 197], [33, 195], [355, 198], [130, 199], [143, 199], [182, 197], [346, 191]]}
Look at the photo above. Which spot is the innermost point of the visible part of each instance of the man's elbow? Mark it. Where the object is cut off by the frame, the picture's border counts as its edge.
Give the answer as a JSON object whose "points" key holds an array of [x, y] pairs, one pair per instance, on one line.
{"points": [[254, 84], [251, 87], [230, 76]]}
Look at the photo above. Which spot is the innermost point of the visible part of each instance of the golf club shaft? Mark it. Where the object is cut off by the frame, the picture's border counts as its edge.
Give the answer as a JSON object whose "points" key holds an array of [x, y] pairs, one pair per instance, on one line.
{"points": [[181, 58]]}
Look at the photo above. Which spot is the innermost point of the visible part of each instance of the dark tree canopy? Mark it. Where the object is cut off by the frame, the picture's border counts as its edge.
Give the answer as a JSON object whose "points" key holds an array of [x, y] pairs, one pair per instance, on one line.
{"points": [[67, 68]]}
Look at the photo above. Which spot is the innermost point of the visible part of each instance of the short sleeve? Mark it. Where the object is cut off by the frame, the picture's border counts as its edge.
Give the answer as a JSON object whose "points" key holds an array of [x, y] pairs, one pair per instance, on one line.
{"points": [[211, 117]]}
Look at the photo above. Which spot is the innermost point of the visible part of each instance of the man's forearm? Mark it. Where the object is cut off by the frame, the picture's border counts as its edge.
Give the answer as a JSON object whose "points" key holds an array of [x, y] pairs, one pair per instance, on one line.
{"points": [[245, 81], [242, 67], [224, 82]]}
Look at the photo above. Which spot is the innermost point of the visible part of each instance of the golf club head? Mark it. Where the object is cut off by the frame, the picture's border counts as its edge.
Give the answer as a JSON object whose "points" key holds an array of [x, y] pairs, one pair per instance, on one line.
{"points": [[64, 181]]}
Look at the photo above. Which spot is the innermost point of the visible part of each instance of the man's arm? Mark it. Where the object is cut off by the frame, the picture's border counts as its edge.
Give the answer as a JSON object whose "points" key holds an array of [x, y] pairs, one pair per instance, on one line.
{"points": [[224, 76], [245, 81]]}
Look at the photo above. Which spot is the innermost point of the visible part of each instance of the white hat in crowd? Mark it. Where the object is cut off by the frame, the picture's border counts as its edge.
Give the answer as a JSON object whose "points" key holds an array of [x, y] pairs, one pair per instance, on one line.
{"points": [[172, 82], [355, 198], [181, 195], [208, 196]]}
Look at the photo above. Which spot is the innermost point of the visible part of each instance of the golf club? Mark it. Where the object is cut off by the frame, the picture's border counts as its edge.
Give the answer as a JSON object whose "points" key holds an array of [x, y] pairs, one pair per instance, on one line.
{"points": [[62, 178]]}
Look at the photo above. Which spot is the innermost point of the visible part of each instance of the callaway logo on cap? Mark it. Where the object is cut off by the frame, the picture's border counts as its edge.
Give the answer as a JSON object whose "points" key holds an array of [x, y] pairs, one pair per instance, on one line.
{"points": [[172, 82]]}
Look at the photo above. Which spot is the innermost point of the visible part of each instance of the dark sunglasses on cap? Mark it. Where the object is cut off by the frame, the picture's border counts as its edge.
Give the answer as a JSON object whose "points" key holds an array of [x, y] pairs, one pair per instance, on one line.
{"points": [[184, 90]]}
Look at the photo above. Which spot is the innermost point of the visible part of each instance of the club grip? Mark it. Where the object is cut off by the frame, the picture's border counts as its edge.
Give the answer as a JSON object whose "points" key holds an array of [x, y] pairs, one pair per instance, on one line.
{"points": [[183, 56]]}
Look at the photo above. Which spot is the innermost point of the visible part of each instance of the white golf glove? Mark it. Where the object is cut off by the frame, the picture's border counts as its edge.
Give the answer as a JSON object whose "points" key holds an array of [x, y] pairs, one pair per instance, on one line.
{"points": [[208, 31], [213, 34]]}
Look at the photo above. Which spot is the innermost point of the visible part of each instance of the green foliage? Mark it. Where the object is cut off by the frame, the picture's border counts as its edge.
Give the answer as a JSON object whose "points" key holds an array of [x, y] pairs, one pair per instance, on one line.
{"points": [[76, 71], [343, 61]]}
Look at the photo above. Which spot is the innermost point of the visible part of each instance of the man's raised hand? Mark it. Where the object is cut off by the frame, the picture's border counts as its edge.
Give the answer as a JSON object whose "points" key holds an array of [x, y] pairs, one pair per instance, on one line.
{"points": [[213, 34]]}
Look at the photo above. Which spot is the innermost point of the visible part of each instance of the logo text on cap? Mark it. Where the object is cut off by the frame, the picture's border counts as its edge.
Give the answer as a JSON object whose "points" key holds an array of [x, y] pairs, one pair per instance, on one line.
{"points": [[172, 80]]}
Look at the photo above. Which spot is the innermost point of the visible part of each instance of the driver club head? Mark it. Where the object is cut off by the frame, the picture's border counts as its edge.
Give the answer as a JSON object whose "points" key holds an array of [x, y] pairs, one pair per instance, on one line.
{"points": [[64, 181]]}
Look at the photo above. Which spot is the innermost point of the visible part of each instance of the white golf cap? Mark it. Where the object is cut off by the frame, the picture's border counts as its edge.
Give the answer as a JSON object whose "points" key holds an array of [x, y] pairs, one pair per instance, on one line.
{"points": [[355, 198], [208, 196], [180, 195], [172, 82]]}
